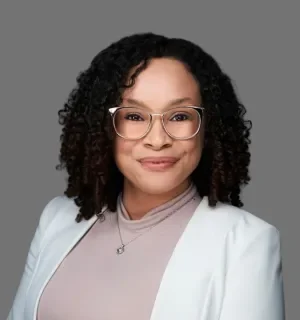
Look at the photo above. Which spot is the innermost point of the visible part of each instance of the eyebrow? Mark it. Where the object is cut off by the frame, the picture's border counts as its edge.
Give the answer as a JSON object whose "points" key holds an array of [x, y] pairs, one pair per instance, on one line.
{"points": [[170, 104]]}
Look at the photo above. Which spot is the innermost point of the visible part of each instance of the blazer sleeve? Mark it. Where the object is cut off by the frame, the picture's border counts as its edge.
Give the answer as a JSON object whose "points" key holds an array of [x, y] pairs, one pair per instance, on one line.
{"points": [[254, 286], [47, 216]]}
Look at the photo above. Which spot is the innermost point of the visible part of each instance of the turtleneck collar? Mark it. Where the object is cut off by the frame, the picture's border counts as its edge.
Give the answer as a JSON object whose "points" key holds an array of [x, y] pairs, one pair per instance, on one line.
{"points": [[157, 214]]}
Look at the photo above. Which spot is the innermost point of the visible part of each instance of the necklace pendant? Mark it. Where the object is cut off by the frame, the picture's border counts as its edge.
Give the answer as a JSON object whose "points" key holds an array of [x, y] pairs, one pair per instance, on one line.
{"points": [[121, 249]]}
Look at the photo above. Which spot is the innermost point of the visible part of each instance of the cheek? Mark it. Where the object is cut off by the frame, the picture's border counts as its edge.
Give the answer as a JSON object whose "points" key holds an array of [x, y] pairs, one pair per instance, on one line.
{"points": [[122, 151], [192, 151]]}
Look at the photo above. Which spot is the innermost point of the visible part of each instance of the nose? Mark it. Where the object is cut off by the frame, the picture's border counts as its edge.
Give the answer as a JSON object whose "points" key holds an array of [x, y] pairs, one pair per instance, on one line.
{"points": [[157, 138]]}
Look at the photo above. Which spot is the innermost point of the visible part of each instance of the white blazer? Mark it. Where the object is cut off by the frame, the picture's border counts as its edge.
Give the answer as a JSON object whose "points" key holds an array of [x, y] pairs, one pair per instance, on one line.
{"points": [[226, 265]]}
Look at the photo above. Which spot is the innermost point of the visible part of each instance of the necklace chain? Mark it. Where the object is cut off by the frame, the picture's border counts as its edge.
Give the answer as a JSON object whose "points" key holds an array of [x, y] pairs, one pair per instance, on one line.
{"points": [[121, 248]]}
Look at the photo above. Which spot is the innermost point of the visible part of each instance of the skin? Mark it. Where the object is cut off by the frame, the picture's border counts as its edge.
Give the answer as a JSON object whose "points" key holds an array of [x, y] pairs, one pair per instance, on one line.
{"points": [[164, 84]]}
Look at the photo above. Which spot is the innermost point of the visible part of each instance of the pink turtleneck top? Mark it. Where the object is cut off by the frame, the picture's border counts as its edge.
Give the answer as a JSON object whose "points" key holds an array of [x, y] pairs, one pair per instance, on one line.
{"points": [[94, 282]]}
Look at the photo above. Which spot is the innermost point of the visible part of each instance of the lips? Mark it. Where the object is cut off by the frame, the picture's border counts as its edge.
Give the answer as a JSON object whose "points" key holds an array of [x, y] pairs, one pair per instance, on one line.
{"points": [[158, 163]]}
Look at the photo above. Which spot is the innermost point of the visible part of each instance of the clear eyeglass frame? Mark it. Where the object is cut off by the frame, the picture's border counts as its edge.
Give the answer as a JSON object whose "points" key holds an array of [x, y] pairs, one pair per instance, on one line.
{"points": [[200, 112]]}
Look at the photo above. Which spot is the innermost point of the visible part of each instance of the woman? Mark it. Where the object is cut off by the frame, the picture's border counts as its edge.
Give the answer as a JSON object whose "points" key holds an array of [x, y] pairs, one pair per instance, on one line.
{"points": [[155, 145]]}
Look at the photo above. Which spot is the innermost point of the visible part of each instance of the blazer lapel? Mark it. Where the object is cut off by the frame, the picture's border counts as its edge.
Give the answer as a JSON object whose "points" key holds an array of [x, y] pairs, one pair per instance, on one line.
{"points": [[183, 290], [50, 258]]}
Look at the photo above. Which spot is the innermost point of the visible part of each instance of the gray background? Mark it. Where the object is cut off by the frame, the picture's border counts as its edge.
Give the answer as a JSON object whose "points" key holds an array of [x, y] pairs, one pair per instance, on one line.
{"points": [[45, 44]]}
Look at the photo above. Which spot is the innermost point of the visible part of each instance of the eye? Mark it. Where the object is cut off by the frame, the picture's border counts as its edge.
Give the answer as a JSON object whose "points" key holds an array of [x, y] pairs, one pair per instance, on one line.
{"points": [[179, 117], [133, 117]]}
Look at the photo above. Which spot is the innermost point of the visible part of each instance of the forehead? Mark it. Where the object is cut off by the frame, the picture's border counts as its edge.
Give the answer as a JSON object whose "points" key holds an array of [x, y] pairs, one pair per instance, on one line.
{"points": [[163, 81]]}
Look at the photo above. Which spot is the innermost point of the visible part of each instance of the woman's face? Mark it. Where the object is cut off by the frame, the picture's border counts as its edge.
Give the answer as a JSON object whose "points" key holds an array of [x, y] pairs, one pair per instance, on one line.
{"points": [[156, 90]]}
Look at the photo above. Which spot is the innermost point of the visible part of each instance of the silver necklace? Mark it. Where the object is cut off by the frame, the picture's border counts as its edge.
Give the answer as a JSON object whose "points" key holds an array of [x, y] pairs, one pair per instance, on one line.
{"points": [[121, 248]]}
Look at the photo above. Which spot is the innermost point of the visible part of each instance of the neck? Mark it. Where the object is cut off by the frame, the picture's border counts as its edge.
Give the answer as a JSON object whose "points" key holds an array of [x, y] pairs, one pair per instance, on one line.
{"points": [[138, 202]]}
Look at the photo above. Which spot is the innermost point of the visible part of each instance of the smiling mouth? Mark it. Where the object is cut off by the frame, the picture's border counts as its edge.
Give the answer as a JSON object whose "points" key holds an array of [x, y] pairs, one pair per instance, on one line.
{"points": [[158, 164]]}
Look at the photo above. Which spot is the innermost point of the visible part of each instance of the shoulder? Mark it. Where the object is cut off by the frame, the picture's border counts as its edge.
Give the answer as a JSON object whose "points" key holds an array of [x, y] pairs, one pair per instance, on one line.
{"points": [[59, 211], [248, 235], [230, 217], [241, 228], [242, 219], [54, 207]]}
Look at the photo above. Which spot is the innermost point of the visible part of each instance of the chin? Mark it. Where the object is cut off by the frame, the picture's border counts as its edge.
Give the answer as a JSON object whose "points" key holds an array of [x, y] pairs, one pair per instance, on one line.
{"points": [[158, 186]]}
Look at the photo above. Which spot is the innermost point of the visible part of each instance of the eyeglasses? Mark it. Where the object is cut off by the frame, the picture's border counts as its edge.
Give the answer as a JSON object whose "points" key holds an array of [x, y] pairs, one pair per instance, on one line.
{"points": [[180, 123]]}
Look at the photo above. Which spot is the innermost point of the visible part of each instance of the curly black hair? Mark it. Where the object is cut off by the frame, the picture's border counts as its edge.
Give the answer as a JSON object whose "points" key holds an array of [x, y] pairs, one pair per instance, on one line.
{"points": [[86, 152]]}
